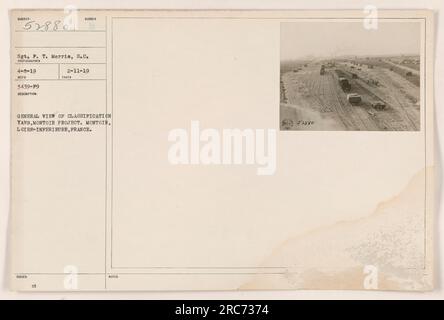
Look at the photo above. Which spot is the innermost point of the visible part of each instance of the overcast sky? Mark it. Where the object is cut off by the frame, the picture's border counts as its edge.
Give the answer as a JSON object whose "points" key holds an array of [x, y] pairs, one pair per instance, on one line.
{"points": [[325, 39]]}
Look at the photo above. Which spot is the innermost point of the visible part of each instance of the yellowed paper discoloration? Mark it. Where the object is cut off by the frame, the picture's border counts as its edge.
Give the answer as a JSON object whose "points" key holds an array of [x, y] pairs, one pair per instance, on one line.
{"points": [[387, 240]]}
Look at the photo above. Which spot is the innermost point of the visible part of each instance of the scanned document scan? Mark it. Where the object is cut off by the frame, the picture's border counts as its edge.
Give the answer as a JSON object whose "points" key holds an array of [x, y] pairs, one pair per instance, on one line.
{"points": [[221, 150], [366, 80]]}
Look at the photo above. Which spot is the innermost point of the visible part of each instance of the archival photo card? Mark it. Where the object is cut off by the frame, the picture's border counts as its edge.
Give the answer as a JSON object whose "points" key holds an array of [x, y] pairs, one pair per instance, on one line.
{"points": [[148, 151]]}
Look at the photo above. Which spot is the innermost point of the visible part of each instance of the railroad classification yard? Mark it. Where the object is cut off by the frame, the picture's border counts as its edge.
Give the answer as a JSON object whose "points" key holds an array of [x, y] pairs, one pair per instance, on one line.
{"points": [[350, 91]]}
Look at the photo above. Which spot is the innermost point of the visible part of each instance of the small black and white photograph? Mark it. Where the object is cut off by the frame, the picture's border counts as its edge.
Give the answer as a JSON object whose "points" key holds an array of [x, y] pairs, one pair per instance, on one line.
{"points": [[344, 76]]}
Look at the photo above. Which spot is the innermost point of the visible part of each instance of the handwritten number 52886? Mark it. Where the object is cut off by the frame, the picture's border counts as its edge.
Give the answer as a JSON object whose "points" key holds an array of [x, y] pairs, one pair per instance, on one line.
{"points": [[55, 25]]}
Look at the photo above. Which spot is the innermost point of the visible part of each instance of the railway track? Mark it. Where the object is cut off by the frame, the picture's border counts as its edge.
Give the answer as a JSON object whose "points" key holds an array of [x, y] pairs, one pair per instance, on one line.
{"points": [[390, 118], [322, 94]]}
